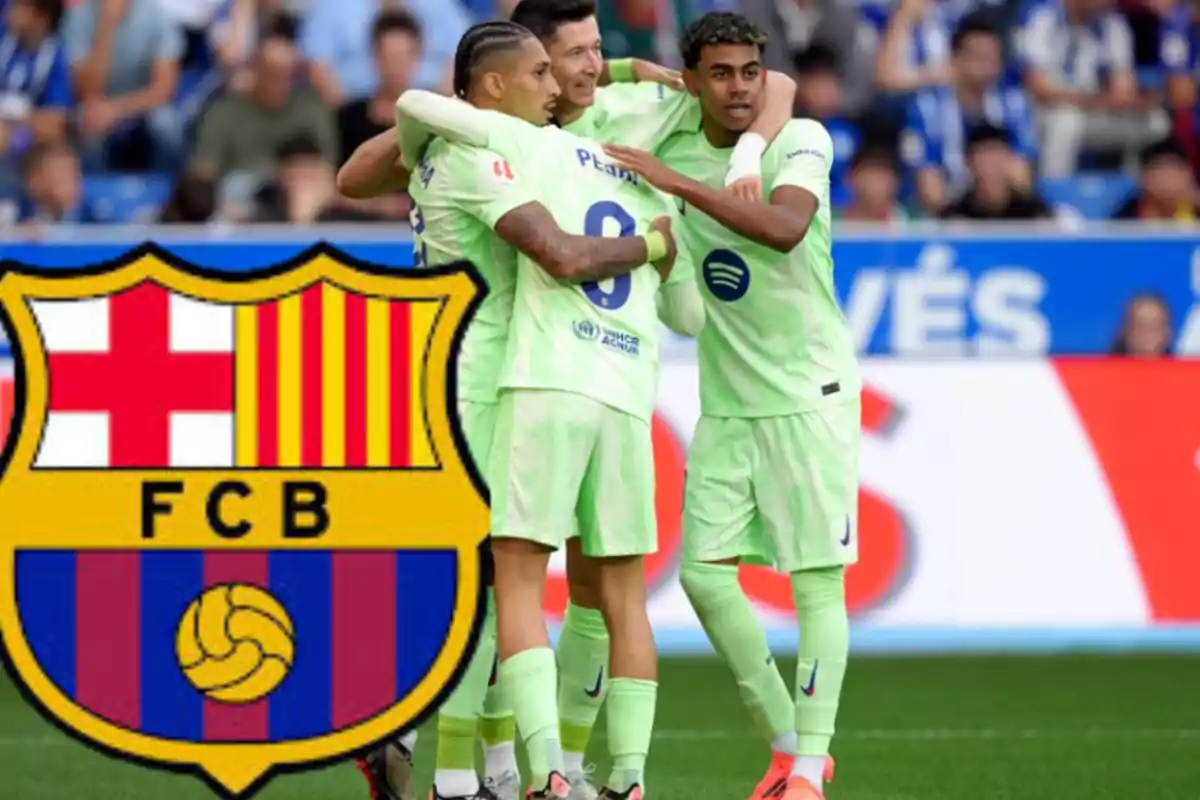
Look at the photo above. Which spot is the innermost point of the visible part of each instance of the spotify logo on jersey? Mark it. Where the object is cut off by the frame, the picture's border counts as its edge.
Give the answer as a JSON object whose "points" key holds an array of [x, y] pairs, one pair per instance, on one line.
{"points": [[726, 275]]}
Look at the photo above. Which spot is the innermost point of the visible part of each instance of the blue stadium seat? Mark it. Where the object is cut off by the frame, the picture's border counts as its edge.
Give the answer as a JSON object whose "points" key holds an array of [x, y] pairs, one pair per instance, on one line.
{"points": [[126, 198], [1092, 195]]}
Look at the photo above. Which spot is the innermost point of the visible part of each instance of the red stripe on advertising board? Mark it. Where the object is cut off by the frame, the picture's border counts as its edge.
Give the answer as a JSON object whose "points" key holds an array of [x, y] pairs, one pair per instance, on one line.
{"points": [[1140, 416]]}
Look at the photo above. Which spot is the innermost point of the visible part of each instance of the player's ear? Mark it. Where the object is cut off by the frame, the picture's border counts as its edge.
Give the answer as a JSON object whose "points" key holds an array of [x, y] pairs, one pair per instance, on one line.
{"points": [[691, 82], [493, 84]]}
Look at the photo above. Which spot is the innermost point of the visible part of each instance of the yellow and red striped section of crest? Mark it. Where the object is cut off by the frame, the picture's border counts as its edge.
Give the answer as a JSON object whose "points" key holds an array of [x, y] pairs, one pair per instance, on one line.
{"points": [[329, 378]]}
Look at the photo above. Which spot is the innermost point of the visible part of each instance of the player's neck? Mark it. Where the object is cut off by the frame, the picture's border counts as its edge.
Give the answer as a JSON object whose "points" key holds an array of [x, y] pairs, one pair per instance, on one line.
{"points": [[483, 101], [718, 135], [566, 112]]}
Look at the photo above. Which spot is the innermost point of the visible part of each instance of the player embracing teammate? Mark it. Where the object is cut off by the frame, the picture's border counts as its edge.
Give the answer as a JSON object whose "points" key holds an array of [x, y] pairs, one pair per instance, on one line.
{"points": [[772, 473], [774, 460]]}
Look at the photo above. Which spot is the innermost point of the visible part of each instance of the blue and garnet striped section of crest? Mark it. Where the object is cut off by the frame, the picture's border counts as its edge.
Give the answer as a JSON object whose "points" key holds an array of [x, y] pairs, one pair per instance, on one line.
{"points": [[367, 626]]}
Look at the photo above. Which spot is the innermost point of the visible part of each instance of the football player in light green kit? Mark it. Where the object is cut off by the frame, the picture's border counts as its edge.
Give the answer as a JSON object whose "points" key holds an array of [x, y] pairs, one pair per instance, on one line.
{"points": [[773, 467], [572, 440], [470, 204], [639, 104], [641, 112]]}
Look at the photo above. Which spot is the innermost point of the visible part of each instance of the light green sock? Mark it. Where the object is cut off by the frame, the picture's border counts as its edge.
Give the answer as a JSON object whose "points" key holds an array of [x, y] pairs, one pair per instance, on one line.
{"points": [[738, 637], [630, 724], [459, 715], [582, 664], [495, 731], [498, 728], [820, 597], [531, 680]]}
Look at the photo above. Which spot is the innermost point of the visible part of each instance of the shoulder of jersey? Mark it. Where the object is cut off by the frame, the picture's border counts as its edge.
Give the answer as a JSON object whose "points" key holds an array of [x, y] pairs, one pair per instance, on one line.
{"points": [[806, 126], [806, 134]]}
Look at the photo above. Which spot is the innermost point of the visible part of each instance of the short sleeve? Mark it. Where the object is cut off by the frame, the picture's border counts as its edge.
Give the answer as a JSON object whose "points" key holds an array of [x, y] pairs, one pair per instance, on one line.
{"points": [[170, 39], [485, 184], [805, 157], [1037, 39], [1118, 44]]}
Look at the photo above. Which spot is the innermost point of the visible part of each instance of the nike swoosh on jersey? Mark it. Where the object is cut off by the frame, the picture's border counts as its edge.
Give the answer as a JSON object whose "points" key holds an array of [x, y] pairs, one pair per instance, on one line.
{"points": [[846, 535], [595, 690], [812, 681]]}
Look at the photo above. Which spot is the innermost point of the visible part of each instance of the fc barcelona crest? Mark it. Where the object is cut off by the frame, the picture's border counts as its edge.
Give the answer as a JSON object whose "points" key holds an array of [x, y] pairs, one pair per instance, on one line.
{"points": [[238, 526]]}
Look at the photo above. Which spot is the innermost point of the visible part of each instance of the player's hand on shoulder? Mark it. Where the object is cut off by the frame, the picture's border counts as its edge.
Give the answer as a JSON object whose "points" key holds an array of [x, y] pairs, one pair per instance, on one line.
{"points": [[666, 263]]}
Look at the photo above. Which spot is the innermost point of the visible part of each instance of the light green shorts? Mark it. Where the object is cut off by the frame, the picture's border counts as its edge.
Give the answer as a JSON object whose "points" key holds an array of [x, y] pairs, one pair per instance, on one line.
{"points": [[478, 421], [559, 457], [780, 491]]}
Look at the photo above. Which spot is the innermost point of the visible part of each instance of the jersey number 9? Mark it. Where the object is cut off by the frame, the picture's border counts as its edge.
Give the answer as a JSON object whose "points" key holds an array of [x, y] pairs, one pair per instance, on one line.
{"points": [[593, 225]]}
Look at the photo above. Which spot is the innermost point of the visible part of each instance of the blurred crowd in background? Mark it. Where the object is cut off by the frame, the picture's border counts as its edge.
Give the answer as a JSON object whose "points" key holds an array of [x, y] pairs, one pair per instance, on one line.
{"points": [[117, 111]]}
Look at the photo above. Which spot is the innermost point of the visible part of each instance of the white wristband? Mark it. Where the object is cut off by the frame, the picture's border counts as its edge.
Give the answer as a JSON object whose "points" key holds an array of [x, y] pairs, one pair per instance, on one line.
{"points": [[746, 160]]}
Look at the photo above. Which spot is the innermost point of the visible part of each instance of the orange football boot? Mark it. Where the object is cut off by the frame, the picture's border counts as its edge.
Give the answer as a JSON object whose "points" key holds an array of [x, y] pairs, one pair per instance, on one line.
{"points": [[801, 789], [774, 783]]}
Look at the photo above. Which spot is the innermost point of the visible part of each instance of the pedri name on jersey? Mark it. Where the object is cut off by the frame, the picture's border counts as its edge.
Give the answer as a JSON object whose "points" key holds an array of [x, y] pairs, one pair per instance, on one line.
{"points": [[620, 341], [589, 159]]}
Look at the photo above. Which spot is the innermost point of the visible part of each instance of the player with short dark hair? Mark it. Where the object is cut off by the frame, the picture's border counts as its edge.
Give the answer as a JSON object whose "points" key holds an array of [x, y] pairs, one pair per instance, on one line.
{"points": [[471, 204], [572, 444], [773, 467], [642, 104], [637, 106], [543, 18]]}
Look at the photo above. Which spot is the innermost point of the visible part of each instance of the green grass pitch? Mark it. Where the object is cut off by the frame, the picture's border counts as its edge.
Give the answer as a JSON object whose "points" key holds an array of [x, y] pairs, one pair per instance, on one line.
{"points": [[979, 728]]}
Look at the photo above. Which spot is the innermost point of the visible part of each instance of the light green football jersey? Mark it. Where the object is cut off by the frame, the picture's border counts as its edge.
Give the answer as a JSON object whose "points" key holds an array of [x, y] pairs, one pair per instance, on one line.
{"points": [[775, 340], [595, 339], [459, 194], [638, 115]]}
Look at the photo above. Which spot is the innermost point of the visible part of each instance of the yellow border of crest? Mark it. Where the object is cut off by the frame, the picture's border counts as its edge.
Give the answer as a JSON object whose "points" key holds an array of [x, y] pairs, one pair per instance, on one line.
{"points": [[240, 767]]}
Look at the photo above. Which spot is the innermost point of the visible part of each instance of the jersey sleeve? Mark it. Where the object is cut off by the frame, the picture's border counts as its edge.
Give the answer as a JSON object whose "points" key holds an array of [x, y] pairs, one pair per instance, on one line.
{"points": [[1118, 44], [805, 157], [1037, 39], [484, 184], [643, 115]]}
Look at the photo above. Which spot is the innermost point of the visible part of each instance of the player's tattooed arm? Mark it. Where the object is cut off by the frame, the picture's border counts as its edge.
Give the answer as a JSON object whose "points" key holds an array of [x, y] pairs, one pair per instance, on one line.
{"points": [[374, 169], [531, 228], [780, 225]]}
